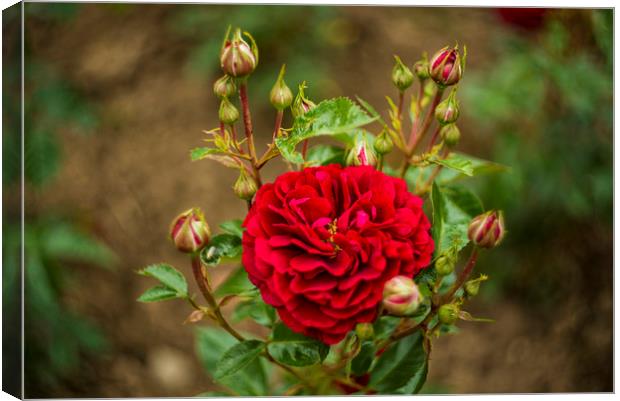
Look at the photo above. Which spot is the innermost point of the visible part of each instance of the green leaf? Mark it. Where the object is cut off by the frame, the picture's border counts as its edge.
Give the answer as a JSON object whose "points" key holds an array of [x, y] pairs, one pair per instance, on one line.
{"points": [[371, 110], [223, 245], [399, 365], [384, 326], [257, 310], [41, 157], [414, 385], [456, 162], [210, 346], [168, 276], [63, 241], [453, 209], [295, 349], [158, 293], [330, 117], [203, 153], [362, 361], [233, 227], [475, 166], [238, 357], [236, 283], [322, 155]]}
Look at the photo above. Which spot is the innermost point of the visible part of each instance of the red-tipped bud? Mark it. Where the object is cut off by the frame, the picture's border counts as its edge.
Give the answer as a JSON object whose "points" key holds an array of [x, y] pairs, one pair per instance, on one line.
{"points": [[448, 313], [245, 187], [301, 105], [401, 296], [224, 87], [487, 230], [281, 96], [228, 113], [448, 111], [445, 66], [189, 231], [402, 77], [450, 134], [361, 155], [237, 57]]}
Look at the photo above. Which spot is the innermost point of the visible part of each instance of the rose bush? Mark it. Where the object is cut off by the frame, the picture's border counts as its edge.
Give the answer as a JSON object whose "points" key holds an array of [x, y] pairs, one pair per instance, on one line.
{"points": [[339, 262], [321, 243]]}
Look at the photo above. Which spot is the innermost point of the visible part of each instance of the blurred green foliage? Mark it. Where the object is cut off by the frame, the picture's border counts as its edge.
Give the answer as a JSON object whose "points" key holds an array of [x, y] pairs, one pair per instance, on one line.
{"points": [[55, 337], [546, 101], [315, 30]]}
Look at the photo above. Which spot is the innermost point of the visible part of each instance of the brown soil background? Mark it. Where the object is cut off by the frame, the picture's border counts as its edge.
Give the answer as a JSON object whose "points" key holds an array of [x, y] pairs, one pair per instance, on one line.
{"points": [[134, 175]]}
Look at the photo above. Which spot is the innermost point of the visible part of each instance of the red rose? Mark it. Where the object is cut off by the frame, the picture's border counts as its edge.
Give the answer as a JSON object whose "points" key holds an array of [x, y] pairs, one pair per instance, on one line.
{"points": [[321, 243]]}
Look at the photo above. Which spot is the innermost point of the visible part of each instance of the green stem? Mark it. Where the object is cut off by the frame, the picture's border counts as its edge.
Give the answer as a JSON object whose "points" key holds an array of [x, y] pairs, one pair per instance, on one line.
{"points": [[203, 284], [463, 276], [247, 121], [278, 124], [437, 302], [401, 101], [427, 121]]}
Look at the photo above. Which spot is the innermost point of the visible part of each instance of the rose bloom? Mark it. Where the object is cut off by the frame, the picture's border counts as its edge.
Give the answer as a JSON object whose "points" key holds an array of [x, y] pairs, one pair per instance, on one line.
{"points": [[321, 243]]}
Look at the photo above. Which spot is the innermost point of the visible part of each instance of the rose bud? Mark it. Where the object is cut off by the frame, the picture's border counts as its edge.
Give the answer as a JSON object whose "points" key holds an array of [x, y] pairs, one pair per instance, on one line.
{"points": [[237, 57], [448, 111], [473, 286], [401, 296], [402, 77], [189, 231], [224, 87], [487, 230], [361, 155], [444, 265], [281, 96], [301, 105], [245, 187], [365, 331], [228, 113], [383, 143], [448, 313], [450, 134], [445, 66], [420, 68]]}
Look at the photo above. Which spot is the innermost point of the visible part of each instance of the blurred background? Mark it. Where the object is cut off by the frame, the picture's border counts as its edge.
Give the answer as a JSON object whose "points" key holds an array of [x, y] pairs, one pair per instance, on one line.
{"points": [[116, 96]]}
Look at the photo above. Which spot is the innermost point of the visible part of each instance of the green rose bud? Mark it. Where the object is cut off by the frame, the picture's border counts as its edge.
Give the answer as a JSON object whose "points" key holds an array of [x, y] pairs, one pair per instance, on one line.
{"points": [[402, 77], [301, 105], [420, 68], [281, 96], [383, 143], [445, 265], [224, 87], [473, 286], [365, 331], [450, 134], [448, 314], [245, 187], [448, 111], [228, 113]]}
